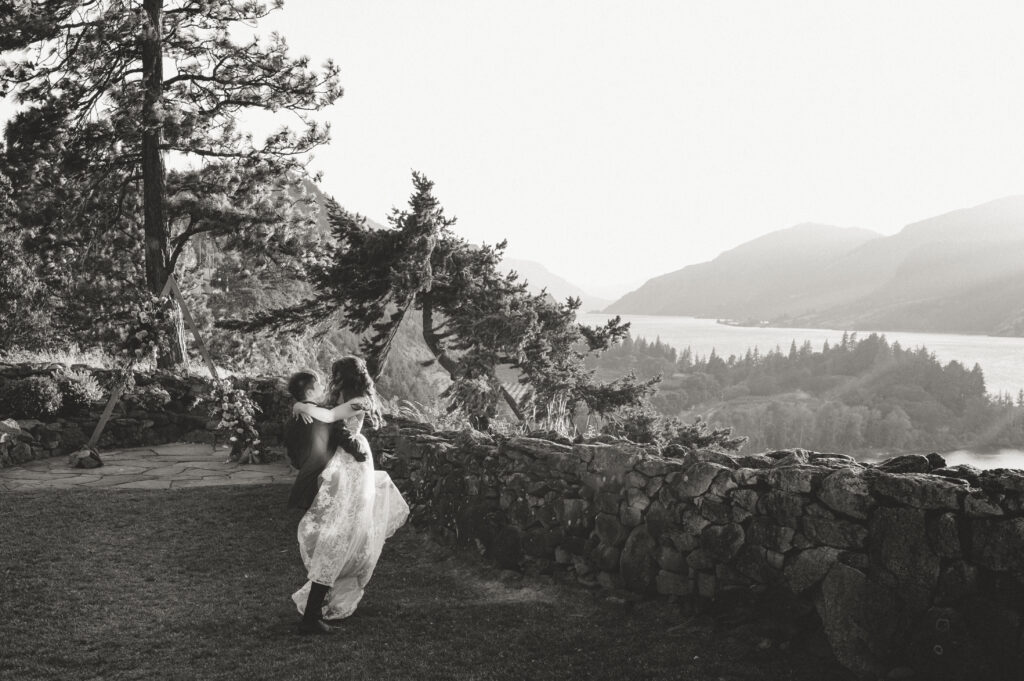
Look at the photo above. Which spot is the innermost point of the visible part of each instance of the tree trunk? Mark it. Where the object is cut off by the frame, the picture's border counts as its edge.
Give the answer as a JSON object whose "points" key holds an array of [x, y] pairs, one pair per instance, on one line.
{"points": [[446, 362], [154, 191]]}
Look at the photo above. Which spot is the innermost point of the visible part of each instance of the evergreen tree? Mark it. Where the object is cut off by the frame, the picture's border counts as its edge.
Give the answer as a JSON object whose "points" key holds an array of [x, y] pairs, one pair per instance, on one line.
{"points": [[92, 75], [475, 319]]}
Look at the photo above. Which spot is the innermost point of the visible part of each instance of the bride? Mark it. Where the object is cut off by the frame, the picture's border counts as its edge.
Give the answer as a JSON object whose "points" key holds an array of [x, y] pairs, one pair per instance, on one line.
{"points": [[356, 509]]}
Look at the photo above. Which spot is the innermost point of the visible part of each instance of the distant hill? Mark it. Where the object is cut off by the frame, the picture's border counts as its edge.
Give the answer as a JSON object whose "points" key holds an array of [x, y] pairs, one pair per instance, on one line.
{"points": [[961, 272], [778, 273], [539, 277]]}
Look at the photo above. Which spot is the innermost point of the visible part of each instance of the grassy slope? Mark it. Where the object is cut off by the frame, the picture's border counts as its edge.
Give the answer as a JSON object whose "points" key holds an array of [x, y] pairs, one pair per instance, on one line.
{"points": [[195, 583]]}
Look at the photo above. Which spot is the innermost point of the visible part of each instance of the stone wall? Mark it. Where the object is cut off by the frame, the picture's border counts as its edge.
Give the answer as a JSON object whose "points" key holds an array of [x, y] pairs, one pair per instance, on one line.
{"points": [[185, 418], [908, 564]]}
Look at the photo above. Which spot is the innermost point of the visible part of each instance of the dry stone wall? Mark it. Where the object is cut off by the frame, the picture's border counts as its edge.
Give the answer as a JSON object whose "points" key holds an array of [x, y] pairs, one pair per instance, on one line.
{"points": [[908, 563]]}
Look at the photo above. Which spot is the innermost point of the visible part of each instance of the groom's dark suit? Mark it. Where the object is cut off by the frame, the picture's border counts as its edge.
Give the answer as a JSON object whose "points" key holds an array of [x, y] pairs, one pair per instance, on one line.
{"points": [[310, 446]]}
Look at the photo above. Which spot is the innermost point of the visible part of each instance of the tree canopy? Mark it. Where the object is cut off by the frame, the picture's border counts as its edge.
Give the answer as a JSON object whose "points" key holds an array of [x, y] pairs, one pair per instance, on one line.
{"points": [[110, 87], [478, 322]]}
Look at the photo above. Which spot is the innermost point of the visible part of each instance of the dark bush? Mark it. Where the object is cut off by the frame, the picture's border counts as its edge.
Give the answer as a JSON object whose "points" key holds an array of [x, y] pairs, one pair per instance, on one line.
{"points": [[79, 391], [30, 398]]}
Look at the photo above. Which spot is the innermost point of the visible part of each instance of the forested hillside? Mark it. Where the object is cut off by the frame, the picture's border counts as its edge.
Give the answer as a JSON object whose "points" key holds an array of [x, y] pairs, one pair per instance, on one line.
{"points": [[859, 395]]}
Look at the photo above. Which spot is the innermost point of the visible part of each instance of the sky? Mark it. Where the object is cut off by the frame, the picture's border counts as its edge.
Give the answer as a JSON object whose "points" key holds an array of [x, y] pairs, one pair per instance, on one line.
{"points": [[615, 141]]}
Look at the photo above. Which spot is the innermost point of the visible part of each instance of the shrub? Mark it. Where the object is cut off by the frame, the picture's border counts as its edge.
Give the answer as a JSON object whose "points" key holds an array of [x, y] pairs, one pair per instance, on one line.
{"points": [[150, 397], [79, 390], [30, 398], [644, 425]]}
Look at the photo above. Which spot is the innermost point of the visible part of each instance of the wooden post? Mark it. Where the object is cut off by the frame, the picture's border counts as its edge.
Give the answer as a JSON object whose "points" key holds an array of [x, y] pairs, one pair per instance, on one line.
{"points": [[170, 288]]}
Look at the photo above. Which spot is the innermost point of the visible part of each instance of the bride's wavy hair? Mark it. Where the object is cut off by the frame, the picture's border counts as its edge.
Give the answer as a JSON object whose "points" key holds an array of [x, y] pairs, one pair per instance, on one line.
{"points": [[349, 379]]}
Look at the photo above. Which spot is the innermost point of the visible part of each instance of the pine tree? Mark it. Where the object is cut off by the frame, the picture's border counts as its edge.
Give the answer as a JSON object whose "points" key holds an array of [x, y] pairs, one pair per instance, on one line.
{"points": [[475, 318], [92, 74]]}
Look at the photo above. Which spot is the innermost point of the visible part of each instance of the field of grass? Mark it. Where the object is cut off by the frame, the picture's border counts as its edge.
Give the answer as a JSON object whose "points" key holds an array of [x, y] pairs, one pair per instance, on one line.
{"points": [[195, 584]]}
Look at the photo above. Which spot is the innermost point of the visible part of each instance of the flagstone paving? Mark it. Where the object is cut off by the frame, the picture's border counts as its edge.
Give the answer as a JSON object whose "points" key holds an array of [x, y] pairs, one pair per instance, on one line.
{"points": [[172, 466]]}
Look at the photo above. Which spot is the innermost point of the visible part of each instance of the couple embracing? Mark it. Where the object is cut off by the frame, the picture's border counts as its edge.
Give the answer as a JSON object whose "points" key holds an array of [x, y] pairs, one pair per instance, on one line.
{"points": [[350, 508]]}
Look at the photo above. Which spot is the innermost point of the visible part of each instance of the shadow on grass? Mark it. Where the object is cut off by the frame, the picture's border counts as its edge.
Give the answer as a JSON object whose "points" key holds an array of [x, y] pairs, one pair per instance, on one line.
{"points": [[195, 584]]}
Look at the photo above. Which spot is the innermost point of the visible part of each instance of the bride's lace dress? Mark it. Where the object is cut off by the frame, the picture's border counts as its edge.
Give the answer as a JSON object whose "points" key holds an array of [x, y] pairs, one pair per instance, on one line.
{"points": [[342, 534]]}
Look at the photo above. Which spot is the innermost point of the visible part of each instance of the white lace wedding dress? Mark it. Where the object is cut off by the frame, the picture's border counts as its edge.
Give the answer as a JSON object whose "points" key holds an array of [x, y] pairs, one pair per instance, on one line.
{"points": [[343, 532]]}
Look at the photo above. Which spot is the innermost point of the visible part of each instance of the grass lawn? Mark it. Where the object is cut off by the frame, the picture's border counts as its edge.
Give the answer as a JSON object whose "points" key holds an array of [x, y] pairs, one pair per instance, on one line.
{"points": [[195, 584]]}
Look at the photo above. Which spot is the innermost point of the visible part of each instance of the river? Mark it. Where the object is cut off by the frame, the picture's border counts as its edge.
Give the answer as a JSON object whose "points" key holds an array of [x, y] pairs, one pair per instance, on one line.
{"points": [[1001, 358]]}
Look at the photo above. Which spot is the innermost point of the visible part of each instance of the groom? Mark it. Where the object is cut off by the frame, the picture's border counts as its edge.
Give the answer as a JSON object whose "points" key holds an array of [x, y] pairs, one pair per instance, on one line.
{"points": [[310, 443]]}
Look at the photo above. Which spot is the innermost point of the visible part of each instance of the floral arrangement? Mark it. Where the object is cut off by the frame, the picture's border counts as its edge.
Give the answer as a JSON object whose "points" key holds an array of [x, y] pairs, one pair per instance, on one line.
{"points": [[144, 327], [235, 413]]}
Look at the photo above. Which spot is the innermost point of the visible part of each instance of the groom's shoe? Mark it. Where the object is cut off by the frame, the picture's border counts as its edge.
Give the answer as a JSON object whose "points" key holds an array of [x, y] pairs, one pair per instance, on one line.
{"points": [[314, 627]]}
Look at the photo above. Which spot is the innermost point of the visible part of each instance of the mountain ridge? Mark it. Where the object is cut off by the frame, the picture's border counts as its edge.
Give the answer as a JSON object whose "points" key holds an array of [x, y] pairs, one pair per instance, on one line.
{"points": [[958, 272]]}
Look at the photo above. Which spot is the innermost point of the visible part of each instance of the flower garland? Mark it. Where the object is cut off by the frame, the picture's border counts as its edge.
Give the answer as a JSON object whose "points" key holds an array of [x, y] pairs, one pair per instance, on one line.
{"points": [[235, 413], [145, 327]]}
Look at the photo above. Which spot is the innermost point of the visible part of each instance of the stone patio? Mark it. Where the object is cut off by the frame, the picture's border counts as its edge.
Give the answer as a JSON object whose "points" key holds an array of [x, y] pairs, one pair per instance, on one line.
{"points": [[160, 467]]}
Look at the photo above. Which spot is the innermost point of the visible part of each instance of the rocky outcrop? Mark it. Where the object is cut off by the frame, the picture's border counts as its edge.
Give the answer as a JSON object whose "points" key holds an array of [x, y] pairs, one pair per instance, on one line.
{"points": [[908, 564]]}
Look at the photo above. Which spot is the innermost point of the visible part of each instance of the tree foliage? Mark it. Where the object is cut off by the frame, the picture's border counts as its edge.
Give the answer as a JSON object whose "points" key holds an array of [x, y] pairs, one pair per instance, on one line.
{"points": [[480, 324], [100, 111], [862, 393]]}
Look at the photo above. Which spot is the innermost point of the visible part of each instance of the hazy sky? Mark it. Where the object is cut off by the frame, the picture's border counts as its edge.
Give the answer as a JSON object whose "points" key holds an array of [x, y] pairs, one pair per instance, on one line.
{"points": [[613, 141]]}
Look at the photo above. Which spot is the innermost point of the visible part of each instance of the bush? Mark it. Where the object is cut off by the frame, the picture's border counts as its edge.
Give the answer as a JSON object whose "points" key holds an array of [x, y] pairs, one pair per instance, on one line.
{"points": [[644, 425], [150, 397], [30, 398], [79, 389]]}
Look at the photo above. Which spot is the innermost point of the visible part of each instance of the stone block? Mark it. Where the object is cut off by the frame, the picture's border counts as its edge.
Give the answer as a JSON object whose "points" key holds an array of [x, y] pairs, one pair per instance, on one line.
{"points": [[909, 463], [919, 490], [638, 563], [977, 504], [699, 559], [638, 499], [846, 491], [750, 477], [654, 486], [572, 514], [861, 620], [672, 584], [605, 557], [745, 499], [722, 485], [1002, 480], [957, 581], [717, 512], [672, 560], [692, 522], [696, 480], [752, 562], [721, 542], [607, 502], [84, 458], [635, 480], [838, 533], [899, 545], [610, 529], [707, 585], [799, 478], [769, 534], [784, 508], [630, 516], [684, 542], [998, 544], [808, 568], [654, 466], [660, 519], [944, 535]]}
